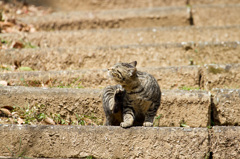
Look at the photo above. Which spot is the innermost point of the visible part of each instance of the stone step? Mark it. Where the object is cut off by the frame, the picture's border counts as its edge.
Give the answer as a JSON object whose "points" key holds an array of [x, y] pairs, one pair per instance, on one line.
{"points": [[226, 106], [177, 106], [225, 142], [216, 15], [174, 54], [198, 15], [168, 78], [71, 5], [104, 142], [115, 142], [204, 77], [125, 18], [202, 2], [116, 37]]}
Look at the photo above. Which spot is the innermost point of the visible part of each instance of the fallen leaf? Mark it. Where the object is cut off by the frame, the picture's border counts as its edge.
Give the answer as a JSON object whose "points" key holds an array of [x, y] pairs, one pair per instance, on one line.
{"points": [[25, 69], [49, 121], [20, 121], [184, 125], [3, 83], [17, 45], [6, 111], [7, 107], [15, 115]]}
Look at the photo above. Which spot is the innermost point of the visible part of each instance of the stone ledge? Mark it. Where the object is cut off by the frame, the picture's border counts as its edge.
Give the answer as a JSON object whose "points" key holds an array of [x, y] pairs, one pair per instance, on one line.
{"points": [[126, 18], [71, 5], [104, 142], [225, 142], [167, 77], [216, 15], [226, 110], [175, 105]]}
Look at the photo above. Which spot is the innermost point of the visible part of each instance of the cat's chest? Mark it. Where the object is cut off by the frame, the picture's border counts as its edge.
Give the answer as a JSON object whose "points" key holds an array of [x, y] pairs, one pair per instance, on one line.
{"points": [[139, 103]]}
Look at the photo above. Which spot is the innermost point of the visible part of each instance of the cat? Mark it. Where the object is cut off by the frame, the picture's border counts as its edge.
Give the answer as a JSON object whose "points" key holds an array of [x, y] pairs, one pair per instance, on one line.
{"points": [[136, 98]]}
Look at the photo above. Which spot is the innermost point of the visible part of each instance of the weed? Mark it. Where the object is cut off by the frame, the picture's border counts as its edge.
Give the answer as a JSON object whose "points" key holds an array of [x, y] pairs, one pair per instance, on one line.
{"points": [[24, 82], [80, 120], [209, 127], [75, 83], [157, 120], [183, 124], [208, 155], [37, 113], [186, 88], [191, 62], [18, 154], [31, 115], [29, 45], [5, 68], [4, 41], [87, 120]]}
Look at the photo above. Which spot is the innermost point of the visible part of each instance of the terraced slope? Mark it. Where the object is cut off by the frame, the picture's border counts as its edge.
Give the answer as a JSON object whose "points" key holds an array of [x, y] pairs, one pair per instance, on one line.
{"points": [[191, 47]]}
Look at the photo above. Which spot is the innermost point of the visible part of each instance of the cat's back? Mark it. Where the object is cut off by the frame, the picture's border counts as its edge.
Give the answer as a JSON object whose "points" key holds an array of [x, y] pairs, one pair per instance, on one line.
{"points": [[148, 82], [148, 89]]}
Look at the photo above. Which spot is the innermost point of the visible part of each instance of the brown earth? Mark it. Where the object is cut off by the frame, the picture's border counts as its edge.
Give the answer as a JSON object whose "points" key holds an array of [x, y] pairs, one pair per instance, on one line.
{"points": [[201, 2], [118, 37], [128, 18], [71, 5], [147, 56], [205, 77], [104, 142], [67, 102], [167, 77], [216, 15]]}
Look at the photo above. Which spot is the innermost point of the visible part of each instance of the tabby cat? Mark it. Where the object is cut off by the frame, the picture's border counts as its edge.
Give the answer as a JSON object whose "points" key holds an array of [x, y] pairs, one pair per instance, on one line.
{"points": [[135, 100]]}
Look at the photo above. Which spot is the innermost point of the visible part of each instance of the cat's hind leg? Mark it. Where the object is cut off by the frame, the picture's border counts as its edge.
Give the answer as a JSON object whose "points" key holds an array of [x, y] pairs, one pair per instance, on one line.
{"points": [[149, 117]]}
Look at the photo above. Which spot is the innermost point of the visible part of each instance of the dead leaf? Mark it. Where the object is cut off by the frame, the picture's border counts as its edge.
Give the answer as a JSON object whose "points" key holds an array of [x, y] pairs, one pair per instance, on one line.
{"points": [[17, 45], [15, 115], [49, 121], [6, 111], [3, 83], [7, 107], [25, 69], [20, 121], [89, 122]]}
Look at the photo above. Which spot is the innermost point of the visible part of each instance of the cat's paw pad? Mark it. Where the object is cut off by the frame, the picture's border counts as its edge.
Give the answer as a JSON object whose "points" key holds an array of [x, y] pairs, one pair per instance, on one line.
{"points": [[147, 124], [125, 124]]}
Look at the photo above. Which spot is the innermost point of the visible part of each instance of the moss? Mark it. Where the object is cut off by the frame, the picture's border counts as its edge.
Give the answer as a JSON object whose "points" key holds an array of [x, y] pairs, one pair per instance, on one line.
{"points": [[186, 88], [214, 70]]}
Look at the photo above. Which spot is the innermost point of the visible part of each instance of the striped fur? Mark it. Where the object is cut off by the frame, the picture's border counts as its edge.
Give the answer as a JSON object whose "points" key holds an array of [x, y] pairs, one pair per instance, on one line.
{"points": [[142, 98], [113, 97]]}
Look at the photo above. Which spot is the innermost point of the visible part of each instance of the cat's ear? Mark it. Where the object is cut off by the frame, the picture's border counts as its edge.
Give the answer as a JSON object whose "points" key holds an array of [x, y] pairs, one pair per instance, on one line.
{"points": [[132, 72], [134, 63]]}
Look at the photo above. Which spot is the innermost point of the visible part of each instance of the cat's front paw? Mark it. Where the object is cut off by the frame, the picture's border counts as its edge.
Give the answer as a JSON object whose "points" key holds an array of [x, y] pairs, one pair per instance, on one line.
{"points": [[119, 91], [147, 124], [125, 124]]}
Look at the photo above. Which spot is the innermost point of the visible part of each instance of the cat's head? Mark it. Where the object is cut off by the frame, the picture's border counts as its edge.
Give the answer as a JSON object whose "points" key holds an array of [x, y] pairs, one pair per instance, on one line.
{"points": [[122, 73]]}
